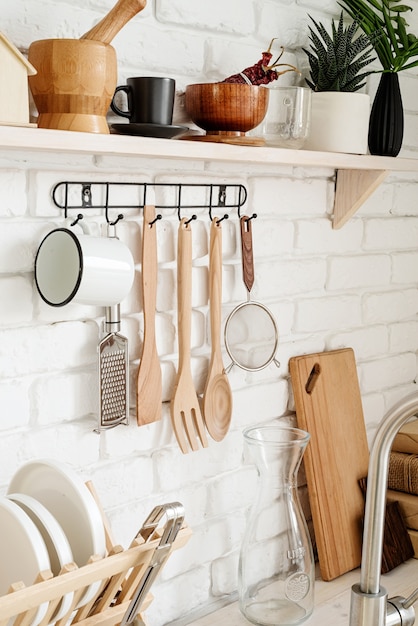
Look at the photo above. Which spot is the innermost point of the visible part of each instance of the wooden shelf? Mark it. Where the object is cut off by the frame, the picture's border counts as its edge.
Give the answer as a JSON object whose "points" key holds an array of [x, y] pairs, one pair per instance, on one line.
{"points": [[357, 175]]}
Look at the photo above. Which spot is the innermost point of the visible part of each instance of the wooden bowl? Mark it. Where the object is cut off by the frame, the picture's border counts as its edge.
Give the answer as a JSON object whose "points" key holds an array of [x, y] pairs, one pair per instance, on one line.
{"points": [[75, 83], [227, 109]]}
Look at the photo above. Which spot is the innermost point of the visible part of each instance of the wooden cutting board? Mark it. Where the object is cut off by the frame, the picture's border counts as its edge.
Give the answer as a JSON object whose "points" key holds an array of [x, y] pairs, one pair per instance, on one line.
{"points": [[328, 405]]}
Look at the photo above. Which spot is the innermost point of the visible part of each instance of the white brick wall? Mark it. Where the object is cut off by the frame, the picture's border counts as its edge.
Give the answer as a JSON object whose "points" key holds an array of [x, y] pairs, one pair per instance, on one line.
{"points": [[327, 289]]}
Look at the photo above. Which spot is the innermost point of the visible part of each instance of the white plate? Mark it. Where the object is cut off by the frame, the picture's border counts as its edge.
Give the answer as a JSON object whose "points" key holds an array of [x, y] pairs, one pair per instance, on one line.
{"points": [[67, 498], [23, 553], [56, 542]]}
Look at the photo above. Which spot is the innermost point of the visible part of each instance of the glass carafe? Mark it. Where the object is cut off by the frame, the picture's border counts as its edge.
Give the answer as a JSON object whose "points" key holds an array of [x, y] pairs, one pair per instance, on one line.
{"points": [[276, 566]]}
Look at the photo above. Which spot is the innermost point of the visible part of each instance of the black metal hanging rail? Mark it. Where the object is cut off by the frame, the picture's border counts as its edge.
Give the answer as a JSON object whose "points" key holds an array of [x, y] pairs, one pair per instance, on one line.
{"points": [[220, 196]]}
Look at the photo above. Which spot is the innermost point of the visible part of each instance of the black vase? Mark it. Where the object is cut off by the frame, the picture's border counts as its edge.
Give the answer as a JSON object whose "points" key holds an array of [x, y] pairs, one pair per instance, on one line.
{"points": [[386, 117]]}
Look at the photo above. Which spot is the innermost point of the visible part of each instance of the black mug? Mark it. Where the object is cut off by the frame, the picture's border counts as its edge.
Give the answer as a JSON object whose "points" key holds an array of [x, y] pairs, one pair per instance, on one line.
{"points": [[150, 100]]}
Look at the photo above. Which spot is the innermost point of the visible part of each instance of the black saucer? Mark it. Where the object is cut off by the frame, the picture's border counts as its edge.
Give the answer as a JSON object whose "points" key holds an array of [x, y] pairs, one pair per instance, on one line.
{"points": [[149, 130]]}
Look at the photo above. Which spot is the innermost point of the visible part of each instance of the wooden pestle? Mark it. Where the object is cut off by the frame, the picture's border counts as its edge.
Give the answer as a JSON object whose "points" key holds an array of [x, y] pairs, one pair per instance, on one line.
{"points": [[112, 23]]}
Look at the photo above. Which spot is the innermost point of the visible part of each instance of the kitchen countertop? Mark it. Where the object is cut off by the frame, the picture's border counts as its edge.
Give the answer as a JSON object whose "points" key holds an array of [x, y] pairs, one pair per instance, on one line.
{"points": [[332, 599]]}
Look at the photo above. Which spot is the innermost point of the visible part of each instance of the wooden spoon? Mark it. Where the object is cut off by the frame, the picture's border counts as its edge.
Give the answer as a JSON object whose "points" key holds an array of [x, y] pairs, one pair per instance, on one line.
{"points": [[112, 23], [217, 396], [149, 385]]}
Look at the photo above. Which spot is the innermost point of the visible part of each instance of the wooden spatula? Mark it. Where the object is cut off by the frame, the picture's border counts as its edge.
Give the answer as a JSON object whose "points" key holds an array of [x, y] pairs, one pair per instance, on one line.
{"points": [[149, 385]]}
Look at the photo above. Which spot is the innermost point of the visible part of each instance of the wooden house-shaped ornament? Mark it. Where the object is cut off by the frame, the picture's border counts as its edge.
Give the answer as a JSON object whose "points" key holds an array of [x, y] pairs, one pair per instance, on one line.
{"points": [[14, 90]]}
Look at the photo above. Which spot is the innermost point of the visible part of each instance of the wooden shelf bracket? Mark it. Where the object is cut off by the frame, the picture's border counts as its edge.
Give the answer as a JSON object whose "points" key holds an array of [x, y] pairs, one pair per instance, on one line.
{"points": [[353, 187]]}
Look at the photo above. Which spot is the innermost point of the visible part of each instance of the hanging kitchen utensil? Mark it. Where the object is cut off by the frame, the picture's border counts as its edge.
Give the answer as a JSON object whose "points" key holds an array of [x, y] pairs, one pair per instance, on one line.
{"points": [[174, 513], [186, 416], [217, 396], [251, 335], [113, 369], [149, 385]]}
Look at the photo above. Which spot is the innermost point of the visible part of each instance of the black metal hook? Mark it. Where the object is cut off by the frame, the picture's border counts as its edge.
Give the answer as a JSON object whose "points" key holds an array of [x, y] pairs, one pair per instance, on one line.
{"points": [[221, 219], [193, 217], [156, 218], [252, 217], [77, 219]]}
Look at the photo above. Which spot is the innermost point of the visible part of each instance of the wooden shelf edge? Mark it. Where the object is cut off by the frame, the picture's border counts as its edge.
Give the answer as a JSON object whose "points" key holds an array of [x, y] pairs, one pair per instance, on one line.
{"points": [[46, 140], [353, 187]]}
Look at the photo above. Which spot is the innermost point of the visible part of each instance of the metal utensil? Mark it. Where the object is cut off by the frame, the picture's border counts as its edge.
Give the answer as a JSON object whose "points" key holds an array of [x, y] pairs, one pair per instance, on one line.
{"points": [[185, 412], [174, 512], [149, 385], [251, 335], [113, 373], [113, 361], [217, 396]]}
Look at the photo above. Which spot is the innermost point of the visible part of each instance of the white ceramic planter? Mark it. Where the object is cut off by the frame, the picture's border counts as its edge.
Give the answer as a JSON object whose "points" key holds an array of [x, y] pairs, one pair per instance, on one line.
{"points": [[339, 122]]}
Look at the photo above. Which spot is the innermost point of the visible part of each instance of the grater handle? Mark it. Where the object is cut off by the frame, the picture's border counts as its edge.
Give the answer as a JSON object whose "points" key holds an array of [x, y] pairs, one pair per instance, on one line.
{"points": [[112, 318]]}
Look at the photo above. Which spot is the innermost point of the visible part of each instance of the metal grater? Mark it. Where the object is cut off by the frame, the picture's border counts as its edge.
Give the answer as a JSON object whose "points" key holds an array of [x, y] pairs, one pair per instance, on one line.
{"points": [[113, 373]]}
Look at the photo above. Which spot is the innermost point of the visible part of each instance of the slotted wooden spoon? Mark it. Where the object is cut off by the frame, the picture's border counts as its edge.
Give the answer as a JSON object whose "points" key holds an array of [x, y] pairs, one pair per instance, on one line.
{"points": [[217, 396], [186, 416], [149, 385]]}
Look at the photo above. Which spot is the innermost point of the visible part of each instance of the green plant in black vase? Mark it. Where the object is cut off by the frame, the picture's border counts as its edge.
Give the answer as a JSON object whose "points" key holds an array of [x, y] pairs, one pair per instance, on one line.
{"points": [[336, 59], [397, 50]]}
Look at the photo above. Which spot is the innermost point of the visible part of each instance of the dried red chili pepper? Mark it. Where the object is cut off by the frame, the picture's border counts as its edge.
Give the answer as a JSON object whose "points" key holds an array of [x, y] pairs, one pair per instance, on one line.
{"points": [[262, 73]]}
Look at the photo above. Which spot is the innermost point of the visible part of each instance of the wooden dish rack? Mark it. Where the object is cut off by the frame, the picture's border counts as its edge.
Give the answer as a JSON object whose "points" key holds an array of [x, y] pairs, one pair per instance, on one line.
{"points": [[118, 575]]}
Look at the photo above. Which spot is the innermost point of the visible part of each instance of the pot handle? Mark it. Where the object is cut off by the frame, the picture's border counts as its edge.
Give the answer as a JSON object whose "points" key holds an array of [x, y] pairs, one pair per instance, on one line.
{"points": [[114, 107]]}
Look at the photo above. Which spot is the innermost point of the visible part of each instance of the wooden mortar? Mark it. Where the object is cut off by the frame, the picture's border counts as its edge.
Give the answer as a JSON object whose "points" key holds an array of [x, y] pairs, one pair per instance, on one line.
{"points": [[76, 78]]}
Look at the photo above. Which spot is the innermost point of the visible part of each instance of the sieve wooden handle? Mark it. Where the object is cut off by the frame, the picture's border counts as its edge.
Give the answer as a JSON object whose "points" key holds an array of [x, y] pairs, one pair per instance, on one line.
{"points": [[247, 252]]}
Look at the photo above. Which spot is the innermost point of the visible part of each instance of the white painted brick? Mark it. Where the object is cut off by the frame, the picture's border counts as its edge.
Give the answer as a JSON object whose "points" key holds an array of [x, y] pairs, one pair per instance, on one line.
{"points": [[404, 337], [174, 471], [235, 17], [396, 233], [410, 131], [388, 372], [167, 52], [293, 198], [121, 481], [390, 307], [260, 402], [317, 236], [404, 201], [367, 342], [15, 403], [405, 268], [47, 348], [327, 313], [16, 301], [289, 277], [272, 237], [60, 398], [18, 244], [346, 272], [289, 26], [13, 197]]}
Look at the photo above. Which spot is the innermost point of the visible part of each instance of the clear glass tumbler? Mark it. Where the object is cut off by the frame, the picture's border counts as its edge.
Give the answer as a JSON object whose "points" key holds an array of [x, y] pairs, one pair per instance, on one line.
{"points": [[276, 567], [287, 121]]}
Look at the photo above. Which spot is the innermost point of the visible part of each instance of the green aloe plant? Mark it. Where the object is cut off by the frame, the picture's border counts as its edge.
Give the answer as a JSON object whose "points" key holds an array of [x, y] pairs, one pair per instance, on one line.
{"points": [[395, 47], [336, 60]]}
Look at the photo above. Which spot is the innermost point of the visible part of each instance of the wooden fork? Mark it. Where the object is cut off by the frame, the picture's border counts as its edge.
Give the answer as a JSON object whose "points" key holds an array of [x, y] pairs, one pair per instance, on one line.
{"points": [[186, 416]]}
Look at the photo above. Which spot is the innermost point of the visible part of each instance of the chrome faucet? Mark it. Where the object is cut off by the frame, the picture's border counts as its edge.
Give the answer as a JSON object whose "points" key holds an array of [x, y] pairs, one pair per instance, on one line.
{"points": [[370, 605]]}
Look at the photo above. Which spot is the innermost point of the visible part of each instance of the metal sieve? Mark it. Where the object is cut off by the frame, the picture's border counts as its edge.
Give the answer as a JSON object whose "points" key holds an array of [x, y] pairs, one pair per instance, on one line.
{"points": [[251, 335]]}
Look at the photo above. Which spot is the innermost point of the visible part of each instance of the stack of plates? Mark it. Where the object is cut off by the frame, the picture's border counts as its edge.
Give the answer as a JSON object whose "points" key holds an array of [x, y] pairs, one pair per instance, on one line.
{"points": [[48, 519]]}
